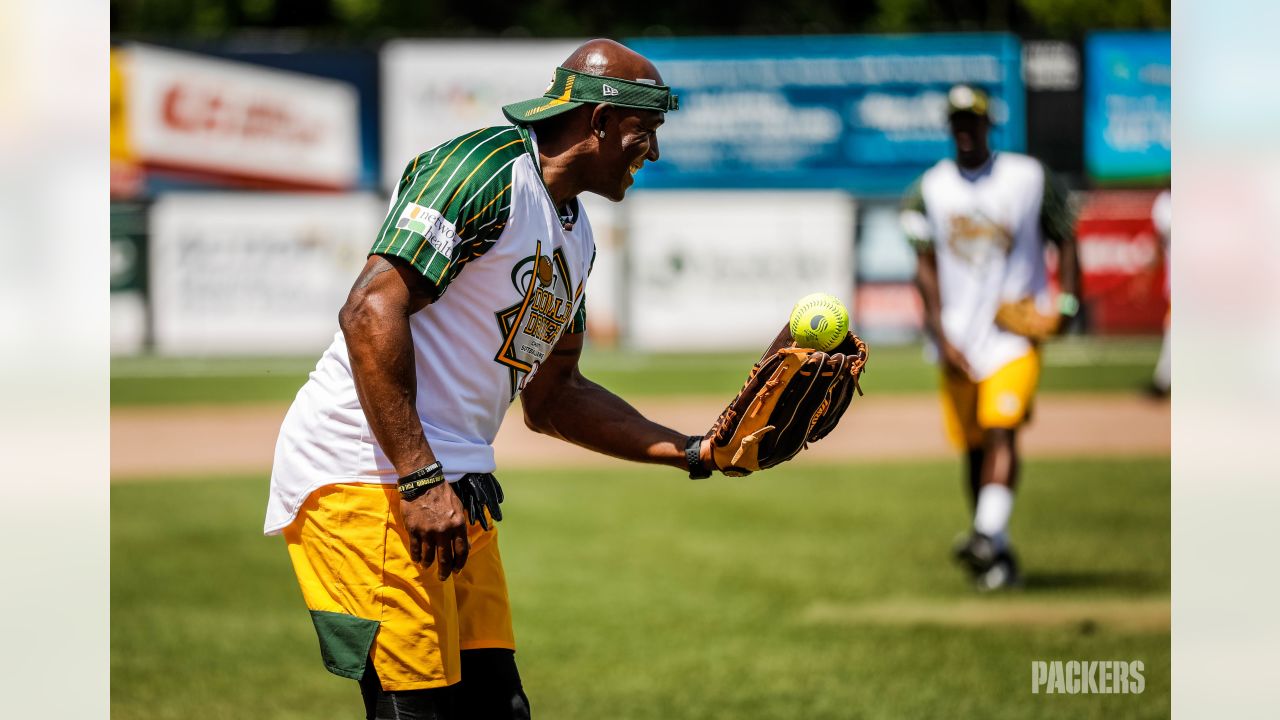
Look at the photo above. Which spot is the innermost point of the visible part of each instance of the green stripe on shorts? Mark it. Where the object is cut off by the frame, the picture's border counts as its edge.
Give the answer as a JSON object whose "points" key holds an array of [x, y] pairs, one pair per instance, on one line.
{"points": [[344, 641]]}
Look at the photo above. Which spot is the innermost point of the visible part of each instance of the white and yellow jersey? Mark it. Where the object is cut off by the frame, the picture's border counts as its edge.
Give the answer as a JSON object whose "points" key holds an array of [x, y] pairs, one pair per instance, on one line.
{"points": [[987, 228], [474, 217]]}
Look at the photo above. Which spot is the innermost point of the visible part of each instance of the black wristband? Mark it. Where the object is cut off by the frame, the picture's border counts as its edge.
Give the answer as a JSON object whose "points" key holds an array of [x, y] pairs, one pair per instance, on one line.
{"points": [[693, 455], [419, 481]]}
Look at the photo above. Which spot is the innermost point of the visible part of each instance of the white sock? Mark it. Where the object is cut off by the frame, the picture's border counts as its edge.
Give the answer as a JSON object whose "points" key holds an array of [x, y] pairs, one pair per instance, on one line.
{"points": [[995, 505], [1164, 367]]}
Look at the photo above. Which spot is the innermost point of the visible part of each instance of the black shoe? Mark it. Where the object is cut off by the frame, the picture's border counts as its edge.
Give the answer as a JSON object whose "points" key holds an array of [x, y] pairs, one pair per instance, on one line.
{"points": [[1002, 574], [977, 552]]}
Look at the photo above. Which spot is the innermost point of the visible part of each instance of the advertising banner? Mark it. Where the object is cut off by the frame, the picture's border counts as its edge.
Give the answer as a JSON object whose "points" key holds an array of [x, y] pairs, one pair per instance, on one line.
{"points": [[435, 90], [721, 270], [888, 305], [1054, 77], [1122, 268], [865, 114], [192, 113], [129, 332], [242, 274], [888, 312], [126, 176], [605, 288], [356, 67], [1127, 106]]}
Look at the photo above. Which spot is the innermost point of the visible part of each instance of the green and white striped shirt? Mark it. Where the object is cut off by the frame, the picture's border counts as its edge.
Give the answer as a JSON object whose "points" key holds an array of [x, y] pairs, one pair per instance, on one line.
{"points": [[474, 217]]}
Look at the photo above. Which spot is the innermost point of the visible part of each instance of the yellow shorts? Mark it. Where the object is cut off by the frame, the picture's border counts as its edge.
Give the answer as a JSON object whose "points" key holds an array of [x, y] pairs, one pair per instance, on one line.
{"points": [[369, 600], [1001, 401]]}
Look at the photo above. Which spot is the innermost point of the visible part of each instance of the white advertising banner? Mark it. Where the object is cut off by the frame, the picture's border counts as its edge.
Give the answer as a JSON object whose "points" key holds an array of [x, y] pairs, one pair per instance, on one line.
{"points": [[721, 270], [435, 90], [250, 274], [128, 323], [605, 287], [196, 113]]}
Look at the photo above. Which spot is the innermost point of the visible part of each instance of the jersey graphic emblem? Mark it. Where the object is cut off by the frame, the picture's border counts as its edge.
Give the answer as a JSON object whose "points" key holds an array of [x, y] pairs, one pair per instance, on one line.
{"points": [[608, 89], [531, 327], [974, 238]]}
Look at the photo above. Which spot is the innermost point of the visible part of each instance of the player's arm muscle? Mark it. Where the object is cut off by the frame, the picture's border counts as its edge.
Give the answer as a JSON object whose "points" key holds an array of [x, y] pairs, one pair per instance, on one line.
{"points": [[927, 283], [559, 401], [931, 298], [375, 323]]}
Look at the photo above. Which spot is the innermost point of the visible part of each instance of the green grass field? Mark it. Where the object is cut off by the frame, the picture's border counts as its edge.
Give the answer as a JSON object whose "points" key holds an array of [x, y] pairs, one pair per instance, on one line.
{"points": [[805, 593], [1071, 365]]}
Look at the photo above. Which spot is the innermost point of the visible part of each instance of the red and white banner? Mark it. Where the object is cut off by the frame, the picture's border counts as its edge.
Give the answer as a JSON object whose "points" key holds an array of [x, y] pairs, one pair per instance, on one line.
{"points": [[889, 311], [192, 113], [1122, 267]]}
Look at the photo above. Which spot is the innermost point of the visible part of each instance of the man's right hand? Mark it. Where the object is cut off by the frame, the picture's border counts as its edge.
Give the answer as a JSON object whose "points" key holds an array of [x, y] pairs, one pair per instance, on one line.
{"points": [[954, 361], [437, 527]]}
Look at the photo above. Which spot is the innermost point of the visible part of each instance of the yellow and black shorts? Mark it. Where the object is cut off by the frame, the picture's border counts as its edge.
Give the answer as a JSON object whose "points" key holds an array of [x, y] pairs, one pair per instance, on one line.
{"points": [[1002, 400], [370, 602]]}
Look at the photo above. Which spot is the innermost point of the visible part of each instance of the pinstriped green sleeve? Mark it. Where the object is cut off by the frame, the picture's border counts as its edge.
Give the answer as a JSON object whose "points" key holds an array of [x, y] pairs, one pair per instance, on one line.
{"points": [[1057, 217], [451, 204], [914, 218]]}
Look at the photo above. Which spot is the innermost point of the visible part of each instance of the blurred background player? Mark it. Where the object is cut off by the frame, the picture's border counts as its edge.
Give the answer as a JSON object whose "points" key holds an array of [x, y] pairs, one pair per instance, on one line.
{"points": [[1161, 218], [978, 224]]}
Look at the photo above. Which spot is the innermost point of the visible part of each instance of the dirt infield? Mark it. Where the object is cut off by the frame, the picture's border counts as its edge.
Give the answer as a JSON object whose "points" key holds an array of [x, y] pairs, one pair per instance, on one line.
{"points": [[161, 443], [1121, 614]]}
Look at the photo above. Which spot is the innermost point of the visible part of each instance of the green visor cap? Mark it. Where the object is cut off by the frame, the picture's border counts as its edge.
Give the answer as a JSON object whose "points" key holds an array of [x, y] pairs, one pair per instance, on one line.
{"points": [[570, 89]]}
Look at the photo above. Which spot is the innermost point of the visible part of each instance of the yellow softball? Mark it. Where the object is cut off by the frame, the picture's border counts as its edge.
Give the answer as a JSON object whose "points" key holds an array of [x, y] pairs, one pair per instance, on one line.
{"points": [[819, 321]]}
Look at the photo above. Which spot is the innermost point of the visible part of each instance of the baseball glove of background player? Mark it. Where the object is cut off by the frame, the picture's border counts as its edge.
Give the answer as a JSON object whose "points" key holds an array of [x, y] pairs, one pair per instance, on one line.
{"points": [[793, 396], [1022, 317]]}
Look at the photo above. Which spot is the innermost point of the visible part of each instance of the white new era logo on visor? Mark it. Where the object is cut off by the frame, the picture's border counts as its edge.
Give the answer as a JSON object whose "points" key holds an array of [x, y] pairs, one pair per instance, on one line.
{"points": [[608, 90]]}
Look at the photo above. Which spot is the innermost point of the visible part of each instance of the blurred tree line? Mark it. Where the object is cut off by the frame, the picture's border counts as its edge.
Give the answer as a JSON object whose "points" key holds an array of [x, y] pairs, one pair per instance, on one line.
{"points": [[360, 21]]}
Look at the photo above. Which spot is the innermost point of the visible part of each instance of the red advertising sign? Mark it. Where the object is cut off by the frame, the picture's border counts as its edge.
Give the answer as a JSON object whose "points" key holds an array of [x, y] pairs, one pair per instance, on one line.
{"points": [[187, 113], [889, 311], [1121, 262]]}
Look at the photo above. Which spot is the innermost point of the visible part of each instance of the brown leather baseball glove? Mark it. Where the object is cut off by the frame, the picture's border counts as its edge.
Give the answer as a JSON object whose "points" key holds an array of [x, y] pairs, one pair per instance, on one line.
{"points": [[793, 396], [1022, 317]]}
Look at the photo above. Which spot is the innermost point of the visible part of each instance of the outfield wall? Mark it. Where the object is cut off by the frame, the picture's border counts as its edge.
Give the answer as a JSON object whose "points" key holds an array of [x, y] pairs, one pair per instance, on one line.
{"points": [[779, 177], [255, 274]]}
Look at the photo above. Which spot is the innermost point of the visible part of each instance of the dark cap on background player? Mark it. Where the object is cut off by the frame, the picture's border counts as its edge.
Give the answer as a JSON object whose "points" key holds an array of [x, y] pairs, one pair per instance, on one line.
{"points": [[968, 99], [968, 113]]}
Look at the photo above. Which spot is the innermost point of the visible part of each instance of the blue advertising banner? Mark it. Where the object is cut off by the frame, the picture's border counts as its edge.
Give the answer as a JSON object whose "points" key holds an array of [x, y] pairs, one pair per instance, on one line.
{"points": [[862, 113], [1127, 110]]}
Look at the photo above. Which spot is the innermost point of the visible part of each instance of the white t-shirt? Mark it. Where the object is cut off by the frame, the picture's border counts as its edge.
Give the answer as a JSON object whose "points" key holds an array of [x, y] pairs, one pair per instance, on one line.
{"points": [[986, 228], [476, 203]]}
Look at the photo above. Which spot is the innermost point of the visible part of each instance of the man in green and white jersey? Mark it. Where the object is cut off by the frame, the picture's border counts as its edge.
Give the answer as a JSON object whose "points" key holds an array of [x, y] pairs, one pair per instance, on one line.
{"points": [[473, 294]]}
